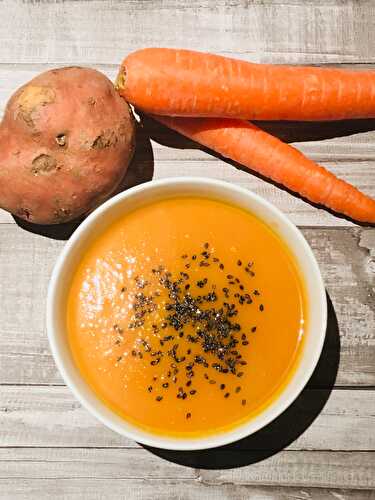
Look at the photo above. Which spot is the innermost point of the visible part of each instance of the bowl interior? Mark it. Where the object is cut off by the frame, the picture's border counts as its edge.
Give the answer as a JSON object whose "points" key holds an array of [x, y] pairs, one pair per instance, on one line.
{"points": [[153, 191]]}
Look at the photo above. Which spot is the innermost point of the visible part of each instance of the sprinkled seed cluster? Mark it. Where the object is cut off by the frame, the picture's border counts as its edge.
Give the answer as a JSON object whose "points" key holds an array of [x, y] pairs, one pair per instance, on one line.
{"points": [[216, 334]]}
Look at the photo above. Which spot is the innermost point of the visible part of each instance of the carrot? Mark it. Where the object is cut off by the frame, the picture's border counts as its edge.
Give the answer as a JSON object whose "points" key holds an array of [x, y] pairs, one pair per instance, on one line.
{"points": [[187, 83], [257, 150]]}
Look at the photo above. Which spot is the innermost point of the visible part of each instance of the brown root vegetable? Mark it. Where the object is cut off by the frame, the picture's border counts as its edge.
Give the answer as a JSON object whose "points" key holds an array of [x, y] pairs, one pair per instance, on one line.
{"points": [[66, 141]]}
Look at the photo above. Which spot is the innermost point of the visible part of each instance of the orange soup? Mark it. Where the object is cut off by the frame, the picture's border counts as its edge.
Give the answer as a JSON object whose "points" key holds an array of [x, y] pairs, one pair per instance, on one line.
{"points": [[186, 316]]}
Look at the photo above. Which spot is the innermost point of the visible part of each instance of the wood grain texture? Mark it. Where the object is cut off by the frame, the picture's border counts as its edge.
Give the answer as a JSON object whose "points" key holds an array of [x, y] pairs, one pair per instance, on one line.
{"points": [[346, 257], [288, 468], [99, 489], [301, 469], [296, 31], [79, 463], [50, 416]]}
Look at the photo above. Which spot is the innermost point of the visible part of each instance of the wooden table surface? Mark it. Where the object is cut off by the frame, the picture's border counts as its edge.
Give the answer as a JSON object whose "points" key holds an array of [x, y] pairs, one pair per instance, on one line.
{"points": [[323, 446]]}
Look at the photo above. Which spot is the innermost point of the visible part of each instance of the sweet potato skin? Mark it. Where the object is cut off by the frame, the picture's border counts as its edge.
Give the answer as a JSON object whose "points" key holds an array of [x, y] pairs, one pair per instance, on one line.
{"points": [[66, 141]]}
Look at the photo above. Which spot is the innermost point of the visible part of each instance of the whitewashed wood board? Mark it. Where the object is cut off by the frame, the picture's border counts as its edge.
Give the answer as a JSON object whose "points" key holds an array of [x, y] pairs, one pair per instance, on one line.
{"points": [[51, 416], [145, 489], [287, 468], [78, 31]]}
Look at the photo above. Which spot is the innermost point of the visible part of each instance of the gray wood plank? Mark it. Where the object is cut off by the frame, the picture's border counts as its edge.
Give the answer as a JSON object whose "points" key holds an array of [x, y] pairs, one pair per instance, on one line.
{"points": [[355, 470], [301, 469], [271, 30], [78, 463], [94, 489], [50, 416], [346, 257]]}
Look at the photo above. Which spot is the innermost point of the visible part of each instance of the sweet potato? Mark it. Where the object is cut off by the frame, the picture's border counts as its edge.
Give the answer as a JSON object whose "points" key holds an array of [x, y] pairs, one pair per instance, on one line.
{"points": [[66, 141]]}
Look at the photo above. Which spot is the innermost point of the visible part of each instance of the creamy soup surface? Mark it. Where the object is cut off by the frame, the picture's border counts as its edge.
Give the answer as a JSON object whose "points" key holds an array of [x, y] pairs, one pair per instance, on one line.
{"points": [[186, 316]]}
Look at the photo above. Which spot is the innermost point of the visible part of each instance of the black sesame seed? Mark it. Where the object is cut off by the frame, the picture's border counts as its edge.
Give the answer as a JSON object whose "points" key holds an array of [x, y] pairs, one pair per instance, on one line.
{"points": [[134, 353], [149, 388], [184, 256], [226, 395], [239, 374], [237, 390], [194, 257], [229, 276], [159, 398], [245, 342], [212, 381], [165, 385], [188, 383], [221, 266], [222, 386], [243, 336], [188, 415], [192, 392], [255, 292], [261, 307], [254, 328], [243, 402], [206, 245], [239, 263], [203, 263]]}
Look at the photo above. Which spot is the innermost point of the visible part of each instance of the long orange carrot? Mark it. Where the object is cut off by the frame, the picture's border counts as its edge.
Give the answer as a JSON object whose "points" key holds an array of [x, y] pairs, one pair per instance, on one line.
{"points": [[247, 144], [187, 83]]}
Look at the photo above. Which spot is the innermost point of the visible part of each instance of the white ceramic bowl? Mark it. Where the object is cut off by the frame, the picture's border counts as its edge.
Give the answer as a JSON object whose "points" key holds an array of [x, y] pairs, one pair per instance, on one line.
{"points": [[98, 220]]}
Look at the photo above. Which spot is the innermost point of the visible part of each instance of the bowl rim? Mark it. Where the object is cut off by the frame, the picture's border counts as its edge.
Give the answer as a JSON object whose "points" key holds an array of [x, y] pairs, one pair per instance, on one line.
{"points": [[170, 442]]}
